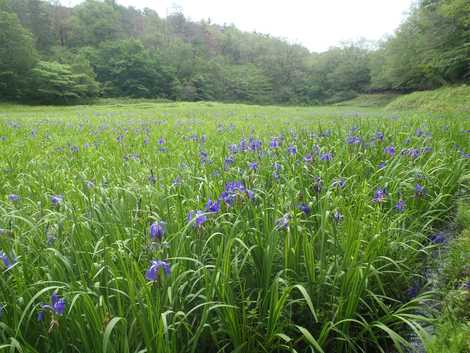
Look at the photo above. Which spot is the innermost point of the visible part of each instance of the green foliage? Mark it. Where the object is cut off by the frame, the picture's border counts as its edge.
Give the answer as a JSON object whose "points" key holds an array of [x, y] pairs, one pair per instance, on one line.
{"points": [[239, 282], [126, 68], [430, 49], [93, 22], [452, 330], [463, 215], [345, 71], [17, 56], [52, 82], [377, 100], [37, 16], [175, 58], [440, 100], [451, 337]]}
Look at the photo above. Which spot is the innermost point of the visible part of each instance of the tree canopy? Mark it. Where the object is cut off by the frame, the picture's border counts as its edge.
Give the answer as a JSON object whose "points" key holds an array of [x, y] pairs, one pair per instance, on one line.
{"points": [[125, 52], [17, 55]]}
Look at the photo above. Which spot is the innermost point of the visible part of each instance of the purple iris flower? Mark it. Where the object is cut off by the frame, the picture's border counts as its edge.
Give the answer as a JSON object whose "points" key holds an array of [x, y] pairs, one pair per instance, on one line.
{"points": [[152, 179], [58, 304], [390, 150], [419, 190], [228, 162], [243, 145], [353, 140], [233, 148], [255, 144], [379, 195], [401, 205], [275, 143], [379, 135], [327, 156], [467, 284], [253, 165], [337, 216], [213, 206], [234, 190], [381, 165], [419, 132], [161, 141], [13, 198], [413, 291], [426, 149], [305, 208], [203, 157], [292, 150], [157, 230], [412, 152], [438, 238], [235, 187], [228, 197], [57, 199], [199, 218], [132, 157], [6, 260], [308, 158], [339, 183], [153, 271], [57, 307]]}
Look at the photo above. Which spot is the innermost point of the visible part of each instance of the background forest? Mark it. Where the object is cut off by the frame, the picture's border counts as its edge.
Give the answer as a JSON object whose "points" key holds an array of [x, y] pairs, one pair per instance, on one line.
{"points": [[54, 54]]}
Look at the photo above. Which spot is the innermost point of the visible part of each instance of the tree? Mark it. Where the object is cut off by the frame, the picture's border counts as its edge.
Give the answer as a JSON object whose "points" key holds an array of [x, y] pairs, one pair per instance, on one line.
{"points": [[52, 82], [430, 49], [17, 56], [36, 17], [127, 69], [137, 53], [94, 22]]}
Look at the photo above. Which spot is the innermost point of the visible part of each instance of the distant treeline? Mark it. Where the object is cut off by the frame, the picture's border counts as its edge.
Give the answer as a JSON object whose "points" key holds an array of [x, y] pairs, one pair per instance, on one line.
{"points": [[53, 54]]}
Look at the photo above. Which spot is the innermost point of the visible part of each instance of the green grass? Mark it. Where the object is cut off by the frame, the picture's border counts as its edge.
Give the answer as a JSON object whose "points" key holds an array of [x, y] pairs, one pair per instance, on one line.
{"points": [[378, 100], [452, 330], [447, 99], [243, 281]]}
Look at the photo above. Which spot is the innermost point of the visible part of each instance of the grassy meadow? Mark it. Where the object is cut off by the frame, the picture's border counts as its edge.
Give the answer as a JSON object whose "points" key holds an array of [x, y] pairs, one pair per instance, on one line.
{"points": [[204, 227]]}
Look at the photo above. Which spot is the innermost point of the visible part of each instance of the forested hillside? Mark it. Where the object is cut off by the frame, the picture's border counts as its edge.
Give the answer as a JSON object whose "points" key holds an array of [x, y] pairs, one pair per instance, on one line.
{"points": [[53, 54]]}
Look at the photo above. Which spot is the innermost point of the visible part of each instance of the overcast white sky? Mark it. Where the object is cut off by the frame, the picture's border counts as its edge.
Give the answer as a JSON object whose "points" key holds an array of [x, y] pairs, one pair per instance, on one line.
{"points": [[316, 24]]}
